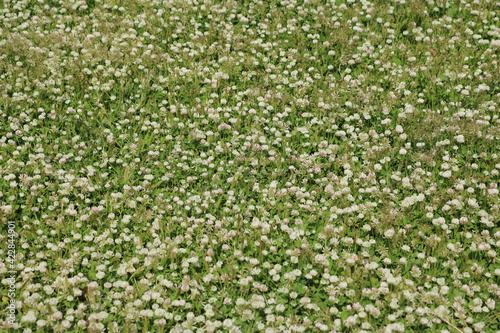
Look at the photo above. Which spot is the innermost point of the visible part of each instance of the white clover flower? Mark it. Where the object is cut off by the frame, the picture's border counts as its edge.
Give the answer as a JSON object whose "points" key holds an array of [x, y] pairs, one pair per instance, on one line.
{"points": [[408, 201], [224, 126], [258, 302], [29, 317], [389, 233], [483, 87], [446, 174], [493, 191], [321, 259], [441, 311], [351, 321], [394, 327], [472, 202]]}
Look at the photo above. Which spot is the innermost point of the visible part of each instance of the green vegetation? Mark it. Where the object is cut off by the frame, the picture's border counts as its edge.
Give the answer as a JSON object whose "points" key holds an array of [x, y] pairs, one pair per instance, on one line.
{"points": [[244, 166]]}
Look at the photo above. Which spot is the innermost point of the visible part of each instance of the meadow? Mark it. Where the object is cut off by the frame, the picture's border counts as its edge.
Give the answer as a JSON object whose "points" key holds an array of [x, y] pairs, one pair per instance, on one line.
{"points": [[249, 166]]}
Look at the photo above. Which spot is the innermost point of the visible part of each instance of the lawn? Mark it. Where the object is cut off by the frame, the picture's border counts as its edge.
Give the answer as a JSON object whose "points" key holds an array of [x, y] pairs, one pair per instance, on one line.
{"points": [[249, 166]]}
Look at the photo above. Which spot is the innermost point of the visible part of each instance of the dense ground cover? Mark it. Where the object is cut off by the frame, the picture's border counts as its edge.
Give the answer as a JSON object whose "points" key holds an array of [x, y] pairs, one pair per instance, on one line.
{"points": [[242, 166]]}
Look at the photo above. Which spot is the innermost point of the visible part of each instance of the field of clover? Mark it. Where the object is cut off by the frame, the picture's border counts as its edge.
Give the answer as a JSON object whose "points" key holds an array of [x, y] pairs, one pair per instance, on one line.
{"points": [[250, 166]]}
